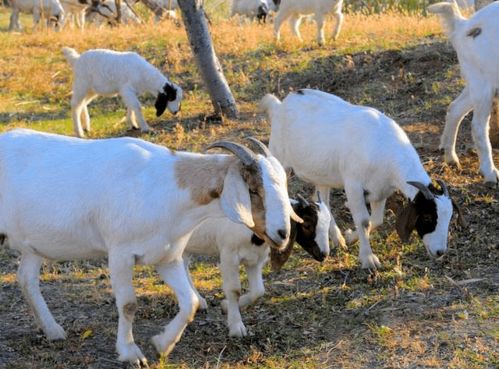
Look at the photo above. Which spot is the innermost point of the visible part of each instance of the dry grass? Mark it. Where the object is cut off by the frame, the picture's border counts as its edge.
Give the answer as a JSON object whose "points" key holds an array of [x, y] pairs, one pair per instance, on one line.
{"points": [[415, 313]]}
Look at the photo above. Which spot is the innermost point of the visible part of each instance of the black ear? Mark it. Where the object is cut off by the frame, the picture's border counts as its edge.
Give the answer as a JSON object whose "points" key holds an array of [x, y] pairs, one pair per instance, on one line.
{"points": [[279, 258], [170, 91], [406, 221], [160, 104]]}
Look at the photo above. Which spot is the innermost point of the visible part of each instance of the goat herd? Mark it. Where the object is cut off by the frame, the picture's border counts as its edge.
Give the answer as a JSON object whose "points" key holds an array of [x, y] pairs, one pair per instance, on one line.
{"points": [[135, 202]]}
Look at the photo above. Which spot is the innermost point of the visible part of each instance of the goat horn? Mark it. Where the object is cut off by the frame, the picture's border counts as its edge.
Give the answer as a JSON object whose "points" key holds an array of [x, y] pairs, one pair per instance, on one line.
{"points": [[319, 196], [424, 190], [444, 187], [260, 145], [244, 154], [302, 200]]}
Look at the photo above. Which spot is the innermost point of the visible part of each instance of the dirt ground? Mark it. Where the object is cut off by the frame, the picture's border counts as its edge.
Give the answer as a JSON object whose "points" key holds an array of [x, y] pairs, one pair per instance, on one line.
{"points": [[414, 313]]}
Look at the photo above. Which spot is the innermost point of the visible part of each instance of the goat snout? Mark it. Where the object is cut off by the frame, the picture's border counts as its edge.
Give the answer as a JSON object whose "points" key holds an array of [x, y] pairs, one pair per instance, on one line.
{"points": [[283, 233], [440, 253]]}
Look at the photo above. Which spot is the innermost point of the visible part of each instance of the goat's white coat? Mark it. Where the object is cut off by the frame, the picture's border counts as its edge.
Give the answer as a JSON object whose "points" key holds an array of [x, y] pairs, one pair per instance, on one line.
{"points": [[65, 198], [295, 10], [232, 243], [106, 72], [478, 58], [332, 143], [249, 8], [49, 8]]}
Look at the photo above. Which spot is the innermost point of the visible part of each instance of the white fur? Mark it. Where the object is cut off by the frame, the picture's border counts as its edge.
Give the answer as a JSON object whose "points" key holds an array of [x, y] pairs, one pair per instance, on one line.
{"points": [[74, 11], [478, 58], [251, 8], [51, 9], [106, 72], [294, 10], [64, 198], [332, 143], [232, 243]]}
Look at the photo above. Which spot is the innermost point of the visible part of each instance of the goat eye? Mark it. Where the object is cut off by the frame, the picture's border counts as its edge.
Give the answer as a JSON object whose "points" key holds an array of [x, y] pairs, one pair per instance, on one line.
{"points": [[253, 192]]}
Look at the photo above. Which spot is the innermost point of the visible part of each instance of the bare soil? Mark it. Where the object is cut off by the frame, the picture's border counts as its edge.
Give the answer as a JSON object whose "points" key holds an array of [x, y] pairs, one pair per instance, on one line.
{"points": [[415, 313]]}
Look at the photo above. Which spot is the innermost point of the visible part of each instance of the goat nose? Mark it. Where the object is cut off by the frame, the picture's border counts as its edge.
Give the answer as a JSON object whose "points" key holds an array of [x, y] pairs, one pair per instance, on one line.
{"points": [[282, 233], [440, 253]]}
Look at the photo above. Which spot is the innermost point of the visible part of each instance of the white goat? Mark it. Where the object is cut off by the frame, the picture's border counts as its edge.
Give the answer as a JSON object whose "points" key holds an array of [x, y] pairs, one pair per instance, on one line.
{"points": [[331, 143], [236, 244], [64, 198], [296, 9], [258, 9], [476, 41], [106, 72], [51, 9], [75, 10]]}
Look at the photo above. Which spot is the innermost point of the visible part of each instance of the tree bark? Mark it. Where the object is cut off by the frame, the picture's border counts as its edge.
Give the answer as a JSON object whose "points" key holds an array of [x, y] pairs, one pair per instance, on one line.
{"points": [[494, 125], [211, 71]]}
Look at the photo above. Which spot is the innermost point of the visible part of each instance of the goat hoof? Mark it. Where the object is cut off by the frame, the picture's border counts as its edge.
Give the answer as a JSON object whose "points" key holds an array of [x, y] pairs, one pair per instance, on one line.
{"points": [[370, 262], [238, 330], [132, 354], [55, 333]]}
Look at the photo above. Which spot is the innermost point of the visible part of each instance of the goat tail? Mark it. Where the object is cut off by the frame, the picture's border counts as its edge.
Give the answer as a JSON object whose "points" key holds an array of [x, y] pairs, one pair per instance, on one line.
{"points": [[70, 54], [268, 104], [449, 14]]}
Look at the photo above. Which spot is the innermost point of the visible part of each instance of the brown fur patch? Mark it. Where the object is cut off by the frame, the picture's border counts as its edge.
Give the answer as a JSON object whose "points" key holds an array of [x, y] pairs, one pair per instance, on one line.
{"points": [[203, 176], [129, 310]]}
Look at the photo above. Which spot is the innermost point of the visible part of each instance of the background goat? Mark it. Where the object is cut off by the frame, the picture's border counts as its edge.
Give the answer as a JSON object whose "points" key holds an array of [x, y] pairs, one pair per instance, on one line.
{"points": [[332, 143], [106, 72], [64, 198], [51, 9], [294, 10], [476, 41]]}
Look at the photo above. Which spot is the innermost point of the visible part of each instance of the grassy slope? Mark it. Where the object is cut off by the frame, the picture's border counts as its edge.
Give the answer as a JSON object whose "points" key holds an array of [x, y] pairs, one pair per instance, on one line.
{"points": [[411, 315]]}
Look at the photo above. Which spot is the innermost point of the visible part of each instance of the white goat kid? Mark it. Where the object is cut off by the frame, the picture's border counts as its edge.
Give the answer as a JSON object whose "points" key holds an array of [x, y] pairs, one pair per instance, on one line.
{"points": [[236, 244], [295, 10], [64, 198], [331, 143], [106, 72], [51, 9], [476, 41]]}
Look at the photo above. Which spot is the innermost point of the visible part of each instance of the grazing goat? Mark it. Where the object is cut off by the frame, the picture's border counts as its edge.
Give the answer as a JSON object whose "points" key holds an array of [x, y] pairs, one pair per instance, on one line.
{"points": [[476, 41], [258, 9], [332, 143], [51, 9], [65, 198], [236, 244], [106, 72], [294, 10]]}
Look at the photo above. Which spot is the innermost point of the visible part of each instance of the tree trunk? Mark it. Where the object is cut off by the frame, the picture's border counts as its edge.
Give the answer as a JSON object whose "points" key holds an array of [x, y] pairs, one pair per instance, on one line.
{"points": [[196, 26], [494, 125]]}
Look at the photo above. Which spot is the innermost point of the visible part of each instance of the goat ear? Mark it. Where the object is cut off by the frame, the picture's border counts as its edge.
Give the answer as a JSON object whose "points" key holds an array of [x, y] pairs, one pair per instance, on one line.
{"points": [[460, 217], [406, 221], [161, 103], [235, 199], [279, 257]]}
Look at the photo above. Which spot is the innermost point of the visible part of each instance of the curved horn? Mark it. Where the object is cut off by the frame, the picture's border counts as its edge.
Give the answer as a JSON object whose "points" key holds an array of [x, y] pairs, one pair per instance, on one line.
{"points": [[302, 200], [319, 196], [260, 145], [424, 190], [444, 187], [244, 154]]}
